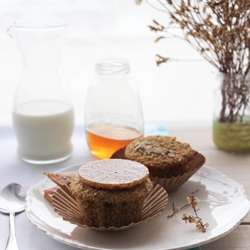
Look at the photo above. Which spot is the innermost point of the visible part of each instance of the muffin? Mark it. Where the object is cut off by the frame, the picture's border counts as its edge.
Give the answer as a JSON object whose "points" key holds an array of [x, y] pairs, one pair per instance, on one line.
{"points": [[170, 163], [111, 192], [164, 156]]}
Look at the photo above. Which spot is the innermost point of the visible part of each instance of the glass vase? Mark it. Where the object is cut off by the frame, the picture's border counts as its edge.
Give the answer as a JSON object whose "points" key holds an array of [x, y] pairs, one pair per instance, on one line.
{"points": [[231, 121]]}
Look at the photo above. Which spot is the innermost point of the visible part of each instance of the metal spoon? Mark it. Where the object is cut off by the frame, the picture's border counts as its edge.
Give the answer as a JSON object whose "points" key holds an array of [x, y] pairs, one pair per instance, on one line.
{"points": [[12, 200]]}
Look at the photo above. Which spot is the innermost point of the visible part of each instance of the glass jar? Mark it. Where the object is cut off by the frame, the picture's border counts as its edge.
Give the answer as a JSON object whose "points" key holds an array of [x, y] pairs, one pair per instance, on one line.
{"points": [[113, 111], [231, 121], [43, 115]]}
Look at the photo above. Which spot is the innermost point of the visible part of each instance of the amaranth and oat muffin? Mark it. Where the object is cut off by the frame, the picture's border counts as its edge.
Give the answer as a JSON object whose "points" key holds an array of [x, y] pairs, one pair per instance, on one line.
{"points": [[164, 156], [111, 192]]}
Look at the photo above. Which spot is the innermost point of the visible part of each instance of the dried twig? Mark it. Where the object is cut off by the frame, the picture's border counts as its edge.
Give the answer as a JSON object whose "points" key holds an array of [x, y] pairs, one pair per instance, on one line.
{"points": [[191, 201]]}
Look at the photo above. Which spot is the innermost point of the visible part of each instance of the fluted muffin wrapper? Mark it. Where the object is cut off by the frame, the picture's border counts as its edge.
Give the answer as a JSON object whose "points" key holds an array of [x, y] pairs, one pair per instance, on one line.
{"points": [[173, 183], [66, 206]]}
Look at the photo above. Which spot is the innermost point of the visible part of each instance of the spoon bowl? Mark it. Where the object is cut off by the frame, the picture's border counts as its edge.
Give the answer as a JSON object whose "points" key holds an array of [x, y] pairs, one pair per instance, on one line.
{"points": [[12, 201]]}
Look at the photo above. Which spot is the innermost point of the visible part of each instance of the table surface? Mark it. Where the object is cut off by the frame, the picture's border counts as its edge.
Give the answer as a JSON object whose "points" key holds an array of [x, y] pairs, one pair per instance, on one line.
{"points": [[12, 169]]}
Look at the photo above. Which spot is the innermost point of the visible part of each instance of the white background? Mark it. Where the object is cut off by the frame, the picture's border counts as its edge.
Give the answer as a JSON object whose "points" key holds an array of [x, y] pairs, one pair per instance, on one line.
{"points": [[176, 92]]}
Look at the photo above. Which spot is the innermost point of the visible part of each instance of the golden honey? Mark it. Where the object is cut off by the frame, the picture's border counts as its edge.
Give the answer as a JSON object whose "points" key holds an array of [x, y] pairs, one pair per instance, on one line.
{"points": [[105, 139]]}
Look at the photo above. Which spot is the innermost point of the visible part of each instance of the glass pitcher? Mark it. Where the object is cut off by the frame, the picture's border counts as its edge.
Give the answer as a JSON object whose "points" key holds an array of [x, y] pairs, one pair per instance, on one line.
{"points": [[43, 115], [113, 111]]}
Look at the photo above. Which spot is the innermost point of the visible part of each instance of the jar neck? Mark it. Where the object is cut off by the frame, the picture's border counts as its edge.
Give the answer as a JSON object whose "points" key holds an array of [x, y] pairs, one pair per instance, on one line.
{"points": [[112, 67]]}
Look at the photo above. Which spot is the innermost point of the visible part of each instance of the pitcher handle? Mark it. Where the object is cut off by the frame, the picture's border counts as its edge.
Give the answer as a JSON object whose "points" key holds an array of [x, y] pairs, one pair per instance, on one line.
{"points": [[9, 30]]}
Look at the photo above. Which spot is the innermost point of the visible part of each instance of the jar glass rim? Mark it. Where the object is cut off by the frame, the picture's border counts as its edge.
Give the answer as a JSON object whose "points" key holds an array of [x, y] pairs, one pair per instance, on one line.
{"points": [[112, 66]]}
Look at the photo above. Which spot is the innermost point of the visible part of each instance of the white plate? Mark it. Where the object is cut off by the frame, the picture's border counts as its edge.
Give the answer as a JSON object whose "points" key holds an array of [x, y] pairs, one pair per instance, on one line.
{"points": [[222, 202]]}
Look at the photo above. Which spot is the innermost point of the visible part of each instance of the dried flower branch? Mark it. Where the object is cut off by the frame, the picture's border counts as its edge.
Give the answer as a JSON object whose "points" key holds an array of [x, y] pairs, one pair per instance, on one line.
{"points": [[161, 59], [220, 31], [175, 210], [197, 220], [191, 201]]}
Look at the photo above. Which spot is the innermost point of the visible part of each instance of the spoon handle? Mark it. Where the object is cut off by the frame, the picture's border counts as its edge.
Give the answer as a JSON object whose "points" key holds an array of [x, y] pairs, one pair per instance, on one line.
{"points": [[11, 243]]}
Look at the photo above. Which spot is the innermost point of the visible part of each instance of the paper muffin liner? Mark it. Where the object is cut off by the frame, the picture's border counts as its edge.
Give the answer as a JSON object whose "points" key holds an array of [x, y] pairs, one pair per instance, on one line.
{"points": [[173, 183], [66, 206]]}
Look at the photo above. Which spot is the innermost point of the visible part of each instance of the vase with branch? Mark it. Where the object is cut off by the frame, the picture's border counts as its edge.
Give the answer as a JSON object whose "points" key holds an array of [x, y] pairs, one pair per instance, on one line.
{"points": [[220, 31]]}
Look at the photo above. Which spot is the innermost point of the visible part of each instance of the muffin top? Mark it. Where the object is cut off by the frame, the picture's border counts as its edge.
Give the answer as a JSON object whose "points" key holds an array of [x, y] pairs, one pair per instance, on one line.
{"points": [[113, 173], [159, 151]]}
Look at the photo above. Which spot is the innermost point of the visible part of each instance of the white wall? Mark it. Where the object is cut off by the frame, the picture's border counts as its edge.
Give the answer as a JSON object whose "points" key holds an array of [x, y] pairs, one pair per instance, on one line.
{"points": [[175, 92]]}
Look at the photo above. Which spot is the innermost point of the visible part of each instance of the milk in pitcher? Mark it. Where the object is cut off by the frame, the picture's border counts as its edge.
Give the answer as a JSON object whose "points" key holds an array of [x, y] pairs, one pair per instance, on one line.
{"points": [[43, 130]]}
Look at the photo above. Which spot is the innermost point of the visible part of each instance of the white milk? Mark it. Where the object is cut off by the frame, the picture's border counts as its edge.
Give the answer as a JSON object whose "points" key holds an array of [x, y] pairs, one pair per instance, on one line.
{"points": [[43, 130]]}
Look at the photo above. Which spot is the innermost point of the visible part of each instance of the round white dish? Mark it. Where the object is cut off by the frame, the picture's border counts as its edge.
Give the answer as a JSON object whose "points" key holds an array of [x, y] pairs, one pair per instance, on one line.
{"points": [[222, 202]]}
